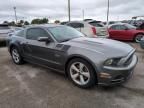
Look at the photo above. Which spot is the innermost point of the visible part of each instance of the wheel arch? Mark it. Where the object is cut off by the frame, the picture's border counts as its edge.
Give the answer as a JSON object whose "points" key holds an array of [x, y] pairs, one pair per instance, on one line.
{"points": [[81, 57], [13, 45], [137, 34]]}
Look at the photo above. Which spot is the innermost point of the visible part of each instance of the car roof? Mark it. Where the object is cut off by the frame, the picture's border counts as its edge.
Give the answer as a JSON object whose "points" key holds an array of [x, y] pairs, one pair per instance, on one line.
{"points": [[44, 25], [76, 22], [117, 24], [84, 22]]}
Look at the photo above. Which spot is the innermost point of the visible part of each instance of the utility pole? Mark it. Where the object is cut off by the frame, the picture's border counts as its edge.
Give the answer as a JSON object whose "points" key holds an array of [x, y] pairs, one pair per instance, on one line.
{"points": [[15, 14], [108, 12], [83, 13], [69, 11]]}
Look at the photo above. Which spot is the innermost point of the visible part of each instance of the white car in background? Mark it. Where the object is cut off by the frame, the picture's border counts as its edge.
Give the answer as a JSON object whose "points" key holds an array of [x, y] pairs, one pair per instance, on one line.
{"points": [[4, 31], [90, 28], [14, 30]]}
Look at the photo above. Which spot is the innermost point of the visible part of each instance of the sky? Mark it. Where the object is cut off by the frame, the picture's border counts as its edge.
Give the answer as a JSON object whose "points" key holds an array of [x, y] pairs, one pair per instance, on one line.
{"points": [[57, 9]]}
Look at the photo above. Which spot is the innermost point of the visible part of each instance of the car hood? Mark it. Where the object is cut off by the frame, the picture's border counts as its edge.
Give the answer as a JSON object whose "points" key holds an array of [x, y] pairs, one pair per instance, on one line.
{"points": [[106, 47]]}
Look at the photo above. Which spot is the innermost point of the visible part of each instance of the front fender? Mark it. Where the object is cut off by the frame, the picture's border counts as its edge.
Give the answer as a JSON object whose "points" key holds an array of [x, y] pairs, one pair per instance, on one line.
{"points": [[95, 58], [16, 44]]}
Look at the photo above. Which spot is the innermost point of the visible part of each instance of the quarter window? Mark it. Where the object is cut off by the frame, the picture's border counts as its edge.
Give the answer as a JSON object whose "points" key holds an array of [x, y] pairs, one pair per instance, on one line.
{"points": [[20, 33], [34, 33]]}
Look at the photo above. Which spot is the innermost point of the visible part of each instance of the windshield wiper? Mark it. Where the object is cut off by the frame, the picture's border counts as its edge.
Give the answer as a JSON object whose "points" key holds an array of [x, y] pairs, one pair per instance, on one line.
{"points": [[65, 40]]}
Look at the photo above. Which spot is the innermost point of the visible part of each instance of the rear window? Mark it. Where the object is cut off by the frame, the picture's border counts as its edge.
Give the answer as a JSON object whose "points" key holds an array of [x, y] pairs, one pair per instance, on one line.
{"points": [[96, 24]]}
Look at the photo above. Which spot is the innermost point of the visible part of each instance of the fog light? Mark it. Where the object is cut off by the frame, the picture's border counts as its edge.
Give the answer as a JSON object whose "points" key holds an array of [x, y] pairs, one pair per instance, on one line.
{"points": [[105, 75]]}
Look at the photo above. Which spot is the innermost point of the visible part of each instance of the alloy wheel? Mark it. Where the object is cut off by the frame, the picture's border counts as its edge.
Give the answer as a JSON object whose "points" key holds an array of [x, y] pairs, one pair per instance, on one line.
{"points": [[15, 56], [139, 37], [79, 73]]}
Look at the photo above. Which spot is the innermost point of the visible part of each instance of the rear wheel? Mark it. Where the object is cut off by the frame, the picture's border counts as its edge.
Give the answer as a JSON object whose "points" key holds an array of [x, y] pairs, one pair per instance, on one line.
{"points": [[139, 37], [81, 73], [16, 57]]}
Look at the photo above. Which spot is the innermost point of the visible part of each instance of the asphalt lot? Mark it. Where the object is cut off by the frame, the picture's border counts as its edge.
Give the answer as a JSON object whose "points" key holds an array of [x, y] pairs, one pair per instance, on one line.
{"points": [[31, 86]]}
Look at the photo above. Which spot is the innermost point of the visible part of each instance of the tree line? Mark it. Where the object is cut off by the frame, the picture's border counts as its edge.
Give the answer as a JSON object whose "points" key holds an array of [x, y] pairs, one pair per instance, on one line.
{"points": [[34, 21]]}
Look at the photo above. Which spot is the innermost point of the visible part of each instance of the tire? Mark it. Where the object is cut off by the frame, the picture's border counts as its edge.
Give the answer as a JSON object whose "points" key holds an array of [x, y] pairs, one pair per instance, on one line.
{"points": [[16, 57], [138, 37], [84, 77]]}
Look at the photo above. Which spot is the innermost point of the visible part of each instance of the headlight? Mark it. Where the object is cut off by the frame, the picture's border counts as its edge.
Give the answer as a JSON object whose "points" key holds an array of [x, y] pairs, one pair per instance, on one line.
{"points": [[112, 62], [108, 62]]}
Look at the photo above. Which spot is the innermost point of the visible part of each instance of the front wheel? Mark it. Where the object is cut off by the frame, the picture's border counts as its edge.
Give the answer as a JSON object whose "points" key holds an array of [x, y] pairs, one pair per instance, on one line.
{"points": [[139, 37], [16, 57], [81, 73]]}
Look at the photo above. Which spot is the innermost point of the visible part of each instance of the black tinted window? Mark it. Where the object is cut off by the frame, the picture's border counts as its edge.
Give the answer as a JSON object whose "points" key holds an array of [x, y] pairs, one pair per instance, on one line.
{"points": [[76, 25], [34, 33], [115, 27], [20, 33], [122, 27], [119, 27], [96, 24]]}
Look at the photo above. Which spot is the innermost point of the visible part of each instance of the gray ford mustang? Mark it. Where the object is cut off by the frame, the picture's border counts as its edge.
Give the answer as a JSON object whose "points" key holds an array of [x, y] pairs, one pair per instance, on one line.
{"points": [[86, 61]]}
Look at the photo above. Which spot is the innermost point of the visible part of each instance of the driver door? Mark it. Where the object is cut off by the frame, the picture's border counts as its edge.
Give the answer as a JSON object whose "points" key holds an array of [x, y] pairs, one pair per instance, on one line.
{"points": [[36, 51], [119, 32]]}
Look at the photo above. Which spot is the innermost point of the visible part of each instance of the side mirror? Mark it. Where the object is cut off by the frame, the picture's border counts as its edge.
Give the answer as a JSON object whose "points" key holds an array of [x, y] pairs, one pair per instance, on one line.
{"points": [[44, 39]]}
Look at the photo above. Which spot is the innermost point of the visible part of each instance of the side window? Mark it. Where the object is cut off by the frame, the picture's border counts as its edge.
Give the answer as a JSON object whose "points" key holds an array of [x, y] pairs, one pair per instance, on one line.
{"points": [[122, 27], [69, 24], [79, 25], [20, 33], [115, 27], [34, 33], [72, 25]]}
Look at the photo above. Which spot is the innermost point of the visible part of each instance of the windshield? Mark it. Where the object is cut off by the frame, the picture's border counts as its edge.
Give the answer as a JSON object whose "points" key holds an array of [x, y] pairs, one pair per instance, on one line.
{"points": [[130, 26], [64, 33]]}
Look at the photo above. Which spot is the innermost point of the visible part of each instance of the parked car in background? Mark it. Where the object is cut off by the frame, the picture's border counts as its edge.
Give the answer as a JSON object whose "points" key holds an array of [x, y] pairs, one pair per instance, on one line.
{"points": [[4, 30], [14, 30], [123, 31], [141, 27], [137, 21], [142, 43], [90, 28], [111, 22], [86, 61], [87, 19], [64, 23]]}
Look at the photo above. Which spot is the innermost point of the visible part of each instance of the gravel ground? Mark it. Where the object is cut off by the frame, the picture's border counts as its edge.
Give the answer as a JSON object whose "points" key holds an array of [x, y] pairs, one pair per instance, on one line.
{"points": [[31, 86]]}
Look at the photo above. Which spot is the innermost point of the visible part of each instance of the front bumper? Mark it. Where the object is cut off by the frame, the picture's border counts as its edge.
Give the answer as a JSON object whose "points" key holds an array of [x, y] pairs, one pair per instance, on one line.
{"points": [[117, 75]]}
